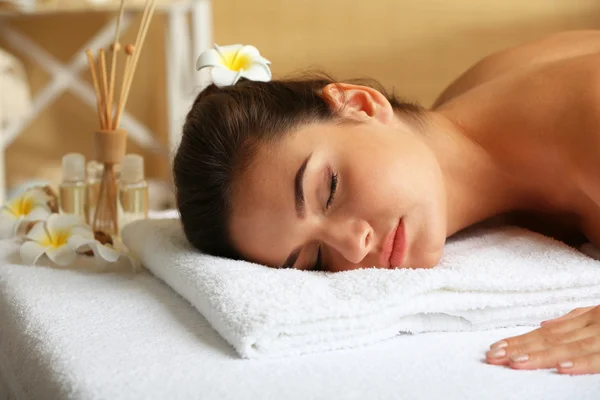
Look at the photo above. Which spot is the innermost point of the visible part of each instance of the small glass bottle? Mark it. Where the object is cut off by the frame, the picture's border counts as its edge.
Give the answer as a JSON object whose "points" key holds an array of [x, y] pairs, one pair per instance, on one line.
{"points": [[94, 179], [73, 189], [133, 190]]}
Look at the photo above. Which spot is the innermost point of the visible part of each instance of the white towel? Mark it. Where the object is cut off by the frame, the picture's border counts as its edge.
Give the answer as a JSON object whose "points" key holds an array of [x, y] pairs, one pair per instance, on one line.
{"points": [[486, 279]]}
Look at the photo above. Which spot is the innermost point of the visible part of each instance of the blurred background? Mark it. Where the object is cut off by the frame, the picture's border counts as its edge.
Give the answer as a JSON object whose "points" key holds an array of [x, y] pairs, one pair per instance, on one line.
{"points": [[415, 47]]}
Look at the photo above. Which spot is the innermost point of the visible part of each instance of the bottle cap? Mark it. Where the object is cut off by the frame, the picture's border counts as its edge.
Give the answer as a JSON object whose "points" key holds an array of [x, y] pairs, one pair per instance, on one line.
{"points": [[94, 170], [132, 168], [73, 167]]}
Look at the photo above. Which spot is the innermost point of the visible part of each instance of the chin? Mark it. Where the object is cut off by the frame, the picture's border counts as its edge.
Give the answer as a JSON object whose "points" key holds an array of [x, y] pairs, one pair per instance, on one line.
{"points": [[430, 259], [427, 256]]}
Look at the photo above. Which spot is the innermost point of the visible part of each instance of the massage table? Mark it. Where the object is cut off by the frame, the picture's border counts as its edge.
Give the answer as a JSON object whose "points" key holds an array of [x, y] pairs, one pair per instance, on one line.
{"points": [[78, 334]]}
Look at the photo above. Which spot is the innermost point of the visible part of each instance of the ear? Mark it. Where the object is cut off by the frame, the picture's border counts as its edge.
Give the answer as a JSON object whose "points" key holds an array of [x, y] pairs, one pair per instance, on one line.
{"points": [[360, 103]]}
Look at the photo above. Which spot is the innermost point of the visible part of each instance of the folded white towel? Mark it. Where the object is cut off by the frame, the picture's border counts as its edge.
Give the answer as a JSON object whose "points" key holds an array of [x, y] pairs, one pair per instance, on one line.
{"points": [[487, 279]]}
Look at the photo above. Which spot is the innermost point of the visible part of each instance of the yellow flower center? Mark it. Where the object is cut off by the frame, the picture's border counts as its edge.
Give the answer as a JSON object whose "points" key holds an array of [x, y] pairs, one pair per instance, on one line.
{"points": [[236, 62], [57, 240], [22, 206]]}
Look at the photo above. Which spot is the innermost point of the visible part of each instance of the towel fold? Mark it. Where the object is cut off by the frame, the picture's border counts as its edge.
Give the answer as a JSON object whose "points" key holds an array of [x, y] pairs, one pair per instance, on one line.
{"points": [[486, 279]]}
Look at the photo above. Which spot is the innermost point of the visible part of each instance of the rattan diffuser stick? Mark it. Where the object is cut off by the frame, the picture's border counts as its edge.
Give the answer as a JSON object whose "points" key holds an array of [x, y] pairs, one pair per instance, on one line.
{"points": [[110, 141]]}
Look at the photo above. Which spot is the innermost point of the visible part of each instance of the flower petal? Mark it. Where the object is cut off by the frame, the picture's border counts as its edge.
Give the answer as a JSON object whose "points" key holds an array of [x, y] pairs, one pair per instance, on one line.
{"points": [[257, 72], [80, 243], [253, 53], [6, 212], [39, 212], [8, 226], [37, 196], [232, 48], [38, 234], [60, 223], [31, 252], [261, 60], [16, 226], [14, 205], [118, 244], [209, 58], [83, 230], [62, 255], [224, 77], [104, 252]]}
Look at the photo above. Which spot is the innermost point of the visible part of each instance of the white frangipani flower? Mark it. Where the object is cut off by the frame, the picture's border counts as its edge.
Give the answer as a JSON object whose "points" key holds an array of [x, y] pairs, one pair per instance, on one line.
{"points": [[52, 238], [63, 237], [230, 63], [30, 206], [109, 252]]}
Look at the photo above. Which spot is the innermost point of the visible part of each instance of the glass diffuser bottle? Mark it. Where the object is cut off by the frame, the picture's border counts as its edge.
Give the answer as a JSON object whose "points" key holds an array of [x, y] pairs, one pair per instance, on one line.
{"points": [[110, 150], [133, 190], [73, 188], [94, 172]]}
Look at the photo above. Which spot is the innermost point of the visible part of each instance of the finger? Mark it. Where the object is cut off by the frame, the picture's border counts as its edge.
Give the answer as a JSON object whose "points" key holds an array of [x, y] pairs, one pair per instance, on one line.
{"points": [[547, 330], [549, 358], [589, 364], [573, 313], [506, 355]]}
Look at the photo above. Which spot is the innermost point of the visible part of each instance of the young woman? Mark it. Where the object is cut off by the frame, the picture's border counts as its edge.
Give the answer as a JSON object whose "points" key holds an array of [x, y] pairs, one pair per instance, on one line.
{"points": [[321, 175]]}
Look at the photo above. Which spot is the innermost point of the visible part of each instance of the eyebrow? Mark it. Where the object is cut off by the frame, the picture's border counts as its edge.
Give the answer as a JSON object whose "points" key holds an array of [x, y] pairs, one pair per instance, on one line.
{"points": [[299, 188], [300, 207]]}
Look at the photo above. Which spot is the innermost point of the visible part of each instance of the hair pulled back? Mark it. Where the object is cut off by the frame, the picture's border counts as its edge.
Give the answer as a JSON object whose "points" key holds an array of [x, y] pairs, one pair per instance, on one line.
{"points": [[221, 135]]}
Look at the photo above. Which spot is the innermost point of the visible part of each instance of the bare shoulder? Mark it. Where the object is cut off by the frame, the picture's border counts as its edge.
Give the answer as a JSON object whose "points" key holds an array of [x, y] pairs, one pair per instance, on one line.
{"points": [[556, 103], [543, 125], [543, 50]]}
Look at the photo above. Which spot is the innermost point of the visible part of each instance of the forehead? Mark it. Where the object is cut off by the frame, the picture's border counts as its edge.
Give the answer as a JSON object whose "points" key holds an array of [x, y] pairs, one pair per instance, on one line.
{"points": [[269, 176], [264, 183], [263, 208]]}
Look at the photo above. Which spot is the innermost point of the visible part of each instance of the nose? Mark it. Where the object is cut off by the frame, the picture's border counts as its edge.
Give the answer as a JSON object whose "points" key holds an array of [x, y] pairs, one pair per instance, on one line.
{"points": [[353, 239]]}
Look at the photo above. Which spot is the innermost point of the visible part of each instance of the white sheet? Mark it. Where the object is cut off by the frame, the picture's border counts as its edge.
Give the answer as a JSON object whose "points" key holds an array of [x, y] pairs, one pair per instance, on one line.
{"points": [[78, 335]]}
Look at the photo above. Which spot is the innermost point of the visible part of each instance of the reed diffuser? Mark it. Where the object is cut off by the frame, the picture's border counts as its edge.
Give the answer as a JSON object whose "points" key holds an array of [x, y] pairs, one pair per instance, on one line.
{"points": [[110, 141]]}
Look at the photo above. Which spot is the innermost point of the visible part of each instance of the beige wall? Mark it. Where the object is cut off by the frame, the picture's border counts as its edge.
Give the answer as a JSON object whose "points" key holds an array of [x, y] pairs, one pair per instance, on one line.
{"points": [[417, 47]]}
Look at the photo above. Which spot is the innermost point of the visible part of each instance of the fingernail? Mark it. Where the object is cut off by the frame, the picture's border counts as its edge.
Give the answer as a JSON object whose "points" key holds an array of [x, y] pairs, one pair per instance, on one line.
{"points": [[499, 345], [566, 364], [497, 353], [519, 358]]}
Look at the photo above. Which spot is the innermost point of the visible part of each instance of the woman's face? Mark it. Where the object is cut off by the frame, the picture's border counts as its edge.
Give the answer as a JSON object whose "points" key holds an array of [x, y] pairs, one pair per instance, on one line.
{"points": [[343, 196]]}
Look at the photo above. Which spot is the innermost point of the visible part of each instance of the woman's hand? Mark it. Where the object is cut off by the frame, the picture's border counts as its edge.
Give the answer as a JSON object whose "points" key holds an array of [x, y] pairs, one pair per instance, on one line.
{"points": [[570, 343]]}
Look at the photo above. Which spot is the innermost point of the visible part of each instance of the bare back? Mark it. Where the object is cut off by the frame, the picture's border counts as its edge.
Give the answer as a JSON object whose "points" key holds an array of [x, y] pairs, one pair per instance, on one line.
{"points": [[536, 110]]}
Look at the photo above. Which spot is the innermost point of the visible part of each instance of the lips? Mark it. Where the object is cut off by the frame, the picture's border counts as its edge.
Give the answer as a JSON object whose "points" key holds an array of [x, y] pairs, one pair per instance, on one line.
{"points": [[394, 247]]}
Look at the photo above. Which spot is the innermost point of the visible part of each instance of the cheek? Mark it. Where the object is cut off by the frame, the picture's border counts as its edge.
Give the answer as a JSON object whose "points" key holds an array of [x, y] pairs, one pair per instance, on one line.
{"points": [[384, 175], [396, 181]]}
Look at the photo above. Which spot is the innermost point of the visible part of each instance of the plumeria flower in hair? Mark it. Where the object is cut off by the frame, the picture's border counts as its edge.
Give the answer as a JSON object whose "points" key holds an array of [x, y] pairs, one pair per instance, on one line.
{"points": [[230, 63], [33, 205]]}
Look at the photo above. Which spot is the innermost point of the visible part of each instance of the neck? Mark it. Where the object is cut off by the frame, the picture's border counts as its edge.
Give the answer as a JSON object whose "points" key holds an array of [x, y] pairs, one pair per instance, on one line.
{"points": [[476, 186]]}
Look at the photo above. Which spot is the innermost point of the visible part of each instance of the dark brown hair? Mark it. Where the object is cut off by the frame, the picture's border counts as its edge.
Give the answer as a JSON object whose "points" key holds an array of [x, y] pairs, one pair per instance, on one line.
{"points": [[221, 134]]}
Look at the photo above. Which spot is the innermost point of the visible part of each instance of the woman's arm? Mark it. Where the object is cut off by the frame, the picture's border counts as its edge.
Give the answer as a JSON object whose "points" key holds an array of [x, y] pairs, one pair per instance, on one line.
{"points": [[550, 48]]}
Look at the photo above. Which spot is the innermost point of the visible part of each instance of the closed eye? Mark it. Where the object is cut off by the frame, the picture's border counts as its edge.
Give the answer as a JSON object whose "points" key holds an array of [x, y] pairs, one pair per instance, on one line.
{"points": [[332, 189]]}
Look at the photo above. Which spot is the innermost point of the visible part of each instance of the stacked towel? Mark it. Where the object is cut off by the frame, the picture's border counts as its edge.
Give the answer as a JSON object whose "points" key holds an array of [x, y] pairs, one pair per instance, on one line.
{"points": [[486, 279]]}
